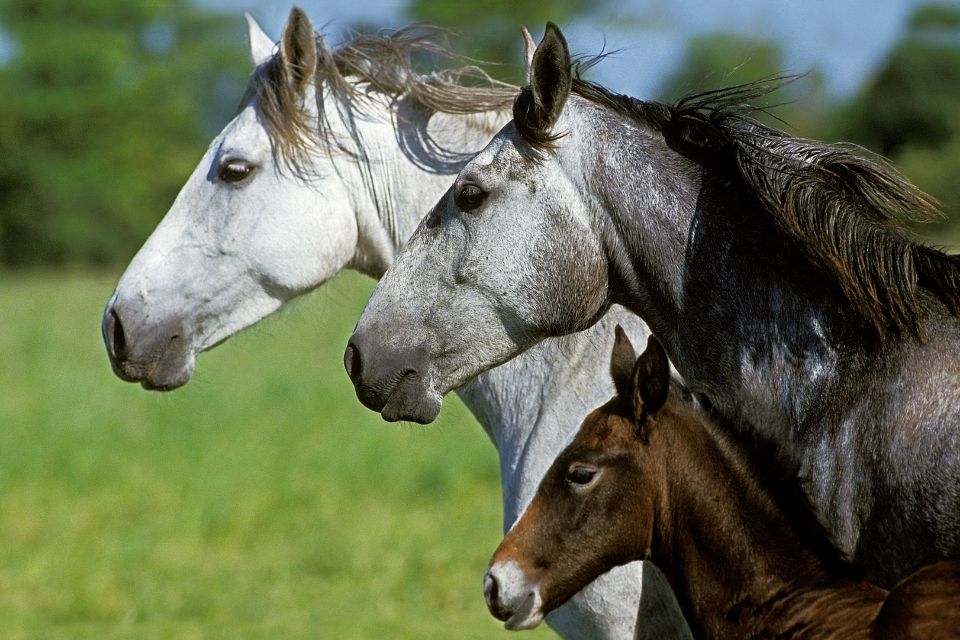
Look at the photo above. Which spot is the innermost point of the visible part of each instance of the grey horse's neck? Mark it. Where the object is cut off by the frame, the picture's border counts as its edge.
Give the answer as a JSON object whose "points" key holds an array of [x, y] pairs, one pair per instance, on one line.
{"points": [[776, 348], [696, 259]]}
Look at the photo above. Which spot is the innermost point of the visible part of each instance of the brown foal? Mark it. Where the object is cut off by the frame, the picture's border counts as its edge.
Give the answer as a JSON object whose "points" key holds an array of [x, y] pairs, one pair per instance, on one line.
{"points": [[649, 476]]}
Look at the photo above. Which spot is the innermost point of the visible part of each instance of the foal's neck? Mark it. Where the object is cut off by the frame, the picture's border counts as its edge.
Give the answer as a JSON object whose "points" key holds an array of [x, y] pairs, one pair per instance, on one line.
{"points": [[735, 560]]}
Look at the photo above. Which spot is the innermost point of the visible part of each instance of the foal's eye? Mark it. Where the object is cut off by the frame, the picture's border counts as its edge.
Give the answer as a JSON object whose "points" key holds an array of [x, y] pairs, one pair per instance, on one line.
{"points": [[581, 475], [234, 171], [469, 197]]}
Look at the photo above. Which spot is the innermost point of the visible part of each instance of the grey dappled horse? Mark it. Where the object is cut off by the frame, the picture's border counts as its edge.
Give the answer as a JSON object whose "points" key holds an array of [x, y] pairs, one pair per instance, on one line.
{"points": [[772, 268], [285, 198]]}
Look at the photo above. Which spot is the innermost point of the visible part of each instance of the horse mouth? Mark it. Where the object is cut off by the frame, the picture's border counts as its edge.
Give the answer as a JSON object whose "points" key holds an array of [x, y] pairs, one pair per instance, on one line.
{"points": [[167, 372], [408, 399]]}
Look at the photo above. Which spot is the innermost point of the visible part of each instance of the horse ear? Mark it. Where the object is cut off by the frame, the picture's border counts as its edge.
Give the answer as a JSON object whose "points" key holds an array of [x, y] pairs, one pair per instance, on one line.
{"points": [[298, 50], [529, 46], [651, 381], [621, 363], [261, 46], [550, 78]]}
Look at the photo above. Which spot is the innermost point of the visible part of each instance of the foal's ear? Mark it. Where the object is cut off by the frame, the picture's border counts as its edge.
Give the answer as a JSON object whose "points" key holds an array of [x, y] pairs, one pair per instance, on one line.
{"points": [[298, 50], [651, 381], [621, 363], [550, 79], [261, 46]]}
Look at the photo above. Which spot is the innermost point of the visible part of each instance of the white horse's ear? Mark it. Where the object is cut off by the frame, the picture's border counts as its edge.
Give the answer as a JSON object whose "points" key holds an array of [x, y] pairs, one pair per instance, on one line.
{"points": [[261, 46], [298, 50], [529, 46]]}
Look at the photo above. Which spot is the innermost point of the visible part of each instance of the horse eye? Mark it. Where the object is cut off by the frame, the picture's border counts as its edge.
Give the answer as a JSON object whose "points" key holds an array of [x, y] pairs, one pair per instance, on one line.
{"points": [[234, 171], [469, 197], [581, 475]]}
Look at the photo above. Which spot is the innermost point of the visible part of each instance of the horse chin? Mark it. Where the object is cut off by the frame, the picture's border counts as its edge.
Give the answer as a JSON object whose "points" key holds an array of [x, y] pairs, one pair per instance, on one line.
{"points": [[524, 620], [412, 402], [165, 374]]}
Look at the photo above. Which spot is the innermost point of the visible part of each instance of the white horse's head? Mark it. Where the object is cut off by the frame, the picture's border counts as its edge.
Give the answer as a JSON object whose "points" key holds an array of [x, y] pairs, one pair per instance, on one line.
{"points": [[243, 236], [327, 164]]}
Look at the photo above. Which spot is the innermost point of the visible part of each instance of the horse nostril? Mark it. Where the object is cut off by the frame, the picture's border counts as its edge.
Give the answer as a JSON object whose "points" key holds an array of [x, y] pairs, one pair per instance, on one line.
{"points": [[352, 362], [113, 335], [491, 592]]}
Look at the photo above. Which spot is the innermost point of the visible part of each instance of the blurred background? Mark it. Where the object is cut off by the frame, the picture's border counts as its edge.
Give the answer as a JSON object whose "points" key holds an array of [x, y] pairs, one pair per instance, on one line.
{"points": [[262, 500]]}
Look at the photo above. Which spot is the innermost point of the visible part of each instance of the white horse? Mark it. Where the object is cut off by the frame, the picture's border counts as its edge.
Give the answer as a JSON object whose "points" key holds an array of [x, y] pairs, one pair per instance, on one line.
{"points": [[326, 166]]}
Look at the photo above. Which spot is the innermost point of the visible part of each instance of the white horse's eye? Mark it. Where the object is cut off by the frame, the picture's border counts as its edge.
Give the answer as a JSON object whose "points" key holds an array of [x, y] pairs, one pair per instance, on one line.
{"points": [[234, 171], [469, 197]]}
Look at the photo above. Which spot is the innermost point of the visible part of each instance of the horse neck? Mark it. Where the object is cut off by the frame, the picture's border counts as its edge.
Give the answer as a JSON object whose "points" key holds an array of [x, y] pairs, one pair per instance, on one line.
{"points": [[403, 159], [692, 254], [531, 405], [729, 567]]}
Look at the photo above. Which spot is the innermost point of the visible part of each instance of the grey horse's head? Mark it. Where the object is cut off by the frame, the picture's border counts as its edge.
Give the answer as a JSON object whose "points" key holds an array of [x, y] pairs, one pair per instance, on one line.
{"points": [[508, 256]]}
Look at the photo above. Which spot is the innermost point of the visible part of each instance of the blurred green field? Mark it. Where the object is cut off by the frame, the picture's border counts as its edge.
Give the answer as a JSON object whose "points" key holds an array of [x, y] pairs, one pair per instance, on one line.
{"points": [[259, 501]]}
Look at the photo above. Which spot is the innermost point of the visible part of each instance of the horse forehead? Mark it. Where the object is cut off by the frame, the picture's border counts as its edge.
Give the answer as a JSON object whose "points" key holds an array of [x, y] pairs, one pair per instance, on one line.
{"points": [[244, 132], [501, 157], [605, 430]]}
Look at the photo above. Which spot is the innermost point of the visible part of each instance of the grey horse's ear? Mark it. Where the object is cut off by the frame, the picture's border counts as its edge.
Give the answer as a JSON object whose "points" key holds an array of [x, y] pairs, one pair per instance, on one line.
{"points": [[650, 382], [298, 51], [261, 46], [550, 78], [622, 360], [529, 46]]}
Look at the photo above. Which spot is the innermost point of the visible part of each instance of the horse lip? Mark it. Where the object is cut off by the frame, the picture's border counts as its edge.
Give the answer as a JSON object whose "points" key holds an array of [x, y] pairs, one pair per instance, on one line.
{"points": [[528, 617], [152, 374], [410, 400]]}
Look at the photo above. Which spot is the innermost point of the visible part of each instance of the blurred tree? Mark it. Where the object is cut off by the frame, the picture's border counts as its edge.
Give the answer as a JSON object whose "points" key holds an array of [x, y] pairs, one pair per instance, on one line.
{"points": [[717, 60], [106, 108], [489, 31], [915, 96], [910, 111]]}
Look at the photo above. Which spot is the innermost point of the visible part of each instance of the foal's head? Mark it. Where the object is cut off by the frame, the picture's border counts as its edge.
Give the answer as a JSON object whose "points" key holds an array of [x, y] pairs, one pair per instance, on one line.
{"points": [[596, 505]]}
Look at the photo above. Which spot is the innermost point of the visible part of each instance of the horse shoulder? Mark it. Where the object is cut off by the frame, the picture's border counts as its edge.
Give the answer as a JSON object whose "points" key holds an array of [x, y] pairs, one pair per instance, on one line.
{"points": [[924, 605]]}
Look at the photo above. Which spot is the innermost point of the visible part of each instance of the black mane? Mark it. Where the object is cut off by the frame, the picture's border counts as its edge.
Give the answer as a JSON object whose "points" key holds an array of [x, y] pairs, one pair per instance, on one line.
{"points": [[842, 208]]}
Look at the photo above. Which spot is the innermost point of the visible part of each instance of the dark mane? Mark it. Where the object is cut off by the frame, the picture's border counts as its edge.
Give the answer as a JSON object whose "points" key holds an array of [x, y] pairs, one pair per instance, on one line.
{"points": [[355, 73], [843, 208]]}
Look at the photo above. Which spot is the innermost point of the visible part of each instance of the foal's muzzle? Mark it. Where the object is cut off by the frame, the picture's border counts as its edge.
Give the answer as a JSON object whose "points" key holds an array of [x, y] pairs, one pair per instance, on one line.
{"points": [[511, 597]]}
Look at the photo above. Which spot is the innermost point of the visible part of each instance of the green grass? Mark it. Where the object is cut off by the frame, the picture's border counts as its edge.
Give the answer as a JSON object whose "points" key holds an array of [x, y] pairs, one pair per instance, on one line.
{"points": [[259, 501]]}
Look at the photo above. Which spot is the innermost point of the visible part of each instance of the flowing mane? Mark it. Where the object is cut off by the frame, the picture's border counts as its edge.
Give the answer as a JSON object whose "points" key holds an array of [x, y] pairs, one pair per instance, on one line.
{"points": [[354, 73], [842, 209]]}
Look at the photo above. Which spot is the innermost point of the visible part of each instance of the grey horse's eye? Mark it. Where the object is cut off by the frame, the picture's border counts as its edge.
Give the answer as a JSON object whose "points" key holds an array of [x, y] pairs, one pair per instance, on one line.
{"points": [[580, 475], [234, 170], [469, 197]]}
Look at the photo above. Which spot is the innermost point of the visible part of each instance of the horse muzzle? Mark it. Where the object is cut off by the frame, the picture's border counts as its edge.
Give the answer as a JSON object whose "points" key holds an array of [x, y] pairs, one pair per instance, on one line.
{"points": [[511, 597], [161, 362], [391, 381]]}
